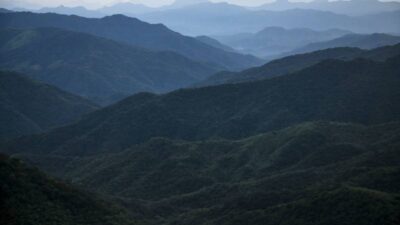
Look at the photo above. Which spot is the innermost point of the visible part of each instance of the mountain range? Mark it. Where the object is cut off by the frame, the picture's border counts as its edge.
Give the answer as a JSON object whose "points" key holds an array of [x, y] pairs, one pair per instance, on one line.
{"points": [[315, 172], [351, 7], [357, 15], [97, 68], [134, 32], [351, 40], [115, 121], [28, 106], [272, 41], [360, 91], [296, 62], [226, 19]]}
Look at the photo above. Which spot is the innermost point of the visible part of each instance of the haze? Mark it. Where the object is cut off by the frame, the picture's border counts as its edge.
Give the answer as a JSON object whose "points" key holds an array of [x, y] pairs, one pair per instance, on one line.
{"points": [[93, 4]]}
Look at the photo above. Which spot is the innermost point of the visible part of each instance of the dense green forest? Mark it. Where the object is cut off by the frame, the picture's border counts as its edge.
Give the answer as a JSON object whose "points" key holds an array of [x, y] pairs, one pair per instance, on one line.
{"points": [[308, 139], [360, 91], [27, 196], [28, 106], [313, 173]]}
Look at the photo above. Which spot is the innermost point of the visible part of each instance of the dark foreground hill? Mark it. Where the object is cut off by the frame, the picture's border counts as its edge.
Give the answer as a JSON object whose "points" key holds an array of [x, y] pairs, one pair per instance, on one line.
{"points": [[312, 174], [360, 91], [93, 67], [27, 106], [28, 196], [298, 62], [134, 32]]}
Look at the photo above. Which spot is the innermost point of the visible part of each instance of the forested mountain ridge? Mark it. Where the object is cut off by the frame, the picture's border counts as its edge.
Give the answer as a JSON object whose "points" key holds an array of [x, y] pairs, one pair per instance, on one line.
{"points": [[359, 91], [96, 68], [363, 41], [133, 32], [27, 196], [293, 63], [292, 176], [28, 107]]}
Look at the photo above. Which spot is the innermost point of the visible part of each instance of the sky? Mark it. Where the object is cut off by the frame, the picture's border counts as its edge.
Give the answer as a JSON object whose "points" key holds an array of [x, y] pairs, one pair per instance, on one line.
{"points": [[93, 4]]}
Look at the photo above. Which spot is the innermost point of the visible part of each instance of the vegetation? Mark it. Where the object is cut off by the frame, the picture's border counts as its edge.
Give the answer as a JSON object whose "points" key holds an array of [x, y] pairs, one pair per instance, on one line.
{"points": [[133, 32], [314, 173], [298, 62], [28, 106], [96, 68], [359, 91], [27, 196]]}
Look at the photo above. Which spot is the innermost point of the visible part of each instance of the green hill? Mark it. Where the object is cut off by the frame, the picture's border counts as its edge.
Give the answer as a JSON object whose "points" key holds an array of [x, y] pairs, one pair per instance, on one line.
{"points": [[27, 106], [314, 173], [99, 69], [359, 91], [31, 197]]}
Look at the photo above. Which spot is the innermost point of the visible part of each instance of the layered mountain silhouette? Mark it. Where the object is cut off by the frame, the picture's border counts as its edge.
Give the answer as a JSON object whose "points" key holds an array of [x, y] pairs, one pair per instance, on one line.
{"points": [[277, 40], [298, 62], [369, 41], [28, 107], [133, 32], [93, 67], [78, 11], [352, 7], [227, 19], [359, 91], [215, 43], [194, 131]]}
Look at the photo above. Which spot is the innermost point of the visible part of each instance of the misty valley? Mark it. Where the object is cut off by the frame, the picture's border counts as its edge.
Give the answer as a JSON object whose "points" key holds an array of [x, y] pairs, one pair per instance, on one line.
{"points": [[198, 112]]}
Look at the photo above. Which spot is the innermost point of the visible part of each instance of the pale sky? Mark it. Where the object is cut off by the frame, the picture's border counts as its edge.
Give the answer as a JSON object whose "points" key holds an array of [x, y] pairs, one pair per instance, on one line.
{"points": [[93, 4]]}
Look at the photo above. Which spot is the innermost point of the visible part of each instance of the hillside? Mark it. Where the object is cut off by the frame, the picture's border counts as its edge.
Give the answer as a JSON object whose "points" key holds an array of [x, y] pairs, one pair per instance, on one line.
{"points": [[359, 91], [133, 32], [298, 62], [215, 43], [31, 197], [28, 107], [313, 173], [96, 68], [362, 41], [272, 41]]}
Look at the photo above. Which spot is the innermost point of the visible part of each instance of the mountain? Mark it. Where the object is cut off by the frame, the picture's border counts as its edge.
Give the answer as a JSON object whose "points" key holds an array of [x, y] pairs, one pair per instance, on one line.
{"points": [[30, 197], [352, 7], [96, 68], [5, 10], [214, 19], [126, 8], [311, 173], [133, 32], [215, 43], [79, 11], [359, 91], [298, 62], [368, 41], [276, 40], [28, 107], [183, 3]]}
